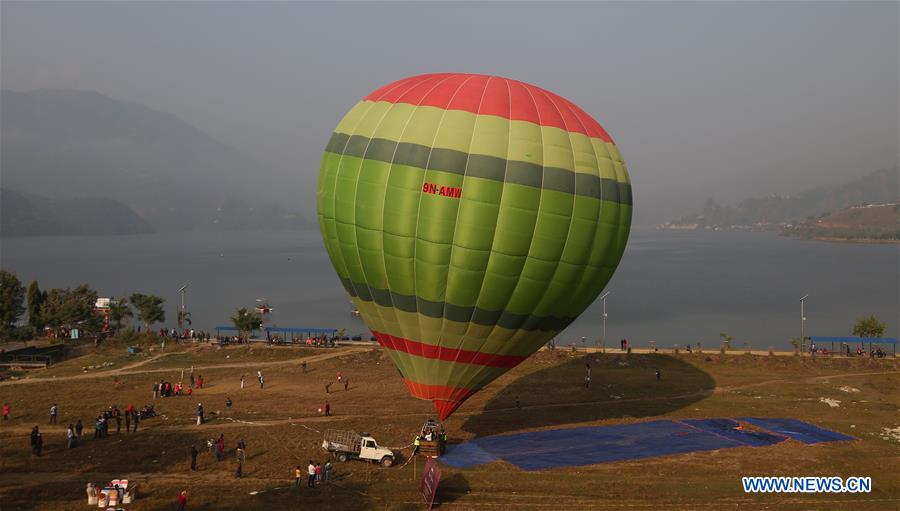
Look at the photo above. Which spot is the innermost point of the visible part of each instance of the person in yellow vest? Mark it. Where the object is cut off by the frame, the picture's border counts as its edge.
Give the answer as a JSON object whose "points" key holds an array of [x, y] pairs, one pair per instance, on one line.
{"points": [[416, 444]]}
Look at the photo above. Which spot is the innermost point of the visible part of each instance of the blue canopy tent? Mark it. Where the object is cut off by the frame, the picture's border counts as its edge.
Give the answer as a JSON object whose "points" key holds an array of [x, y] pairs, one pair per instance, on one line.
{"points": [[857, 340]]}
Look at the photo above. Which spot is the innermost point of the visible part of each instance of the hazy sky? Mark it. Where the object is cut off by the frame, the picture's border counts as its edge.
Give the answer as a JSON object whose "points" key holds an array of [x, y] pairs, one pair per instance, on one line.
{"points": [[704, 99]]}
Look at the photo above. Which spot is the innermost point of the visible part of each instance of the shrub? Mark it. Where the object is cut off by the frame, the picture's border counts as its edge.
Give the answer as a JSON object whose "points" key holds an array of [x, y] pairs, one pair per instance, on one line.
{"points": [[21, 333]]}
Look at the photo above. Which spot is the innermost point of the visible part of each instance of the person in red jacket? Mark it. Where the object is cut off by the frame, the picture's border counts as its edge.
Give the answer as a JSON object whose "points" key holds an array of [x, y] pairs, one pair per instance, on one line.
{"points": [[221, 443], [199, 381], [182, 500], [6, 411]]}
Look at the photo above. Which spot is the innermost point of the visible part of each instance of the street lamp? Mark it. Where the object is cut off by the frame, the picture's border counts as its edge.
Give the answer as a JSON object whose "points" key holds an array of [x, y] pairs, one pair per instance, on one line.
{"points": [[604, 317], [802, 321], [181, 314], [182, 290]]}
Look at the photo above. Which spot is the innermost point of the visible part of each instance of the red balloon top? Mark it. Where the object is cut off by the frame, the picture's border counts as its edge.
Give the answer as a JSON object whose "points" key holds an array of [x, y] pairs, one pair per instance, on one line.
{"points": [[491, 95]]}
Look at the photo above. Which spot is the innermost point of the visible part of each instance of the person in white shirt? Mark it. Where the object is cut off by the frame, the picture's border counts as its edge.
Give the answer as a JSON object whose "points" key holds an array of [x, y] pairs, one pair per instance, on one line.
{"points": [[311, 471]]}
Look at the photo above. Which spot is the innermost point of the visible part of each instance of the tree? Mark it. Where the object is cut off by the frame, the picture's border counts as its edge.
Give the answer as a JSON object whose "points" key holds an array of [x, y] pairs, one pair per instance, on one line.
{"points": [[795, 342], [66, 307], [35, 299], [118, 311], [12, 296], [51, 313], [246, 321], [726, 340], [150, 309], [92, 324], [868, 327]]}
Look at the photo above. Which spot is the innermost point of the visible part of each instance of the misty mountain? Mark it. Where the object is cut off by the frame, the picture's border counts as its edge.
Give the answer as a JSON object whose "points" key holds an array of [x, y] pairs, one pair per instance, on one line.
{"points": [[882, 186], [30, 215], [66, 144]]}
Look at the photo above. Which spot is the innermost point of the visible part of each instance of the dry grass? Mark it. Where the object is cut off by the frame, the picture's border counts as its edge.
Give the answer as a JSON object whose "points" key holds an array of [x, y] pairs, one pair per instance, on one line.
{"points": [[280, 426]]}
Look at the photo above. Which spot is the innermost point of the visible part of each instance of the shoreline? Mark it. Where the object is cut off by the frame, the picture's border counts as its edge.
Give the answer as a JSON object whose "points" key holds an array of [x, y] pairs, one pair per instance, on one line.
{"points": [[662, 350], [682, 351], [862, 241]]}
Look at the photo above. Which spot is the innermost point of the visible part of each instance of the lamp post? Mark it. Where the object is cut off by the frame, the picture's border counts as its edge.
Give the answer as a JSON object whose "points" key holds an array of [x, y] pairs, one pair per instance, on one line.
{"points": [[181, 314], [802, 321], [604, 317]]}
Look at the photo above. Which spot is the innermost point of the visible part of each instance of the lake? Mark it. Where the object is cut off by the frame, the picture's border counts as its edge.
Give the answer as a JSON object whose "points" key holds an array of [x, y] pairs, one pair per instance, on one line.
{"points": [[671, 287]]}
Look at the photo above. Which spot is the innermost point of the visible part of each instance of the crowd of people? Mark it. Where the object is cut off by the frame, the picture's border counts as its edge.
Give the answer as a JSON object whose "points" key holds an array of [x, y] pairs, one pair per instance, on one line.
{"points": [[113, 416], [315, 473], [310, 342], [217, 450], [164, 388], [874, 351], [102, 424], [321, 341], [189, 333]]}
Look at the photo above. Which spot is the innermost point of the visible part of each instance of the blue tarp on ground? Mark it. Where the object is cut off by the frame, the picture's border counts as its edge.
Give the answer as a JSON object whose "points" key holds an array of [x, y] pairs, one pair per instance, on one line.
{"points": [[798, 430], [604, 444], [727, 428], [467, 454]]}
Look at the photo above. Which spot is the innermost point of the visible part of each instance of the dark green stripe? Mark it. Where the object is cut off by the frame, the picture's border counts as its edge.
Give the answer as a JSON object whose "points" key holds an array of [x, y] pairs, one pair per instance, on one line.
{"points": [[480, 165], [407, 303]]}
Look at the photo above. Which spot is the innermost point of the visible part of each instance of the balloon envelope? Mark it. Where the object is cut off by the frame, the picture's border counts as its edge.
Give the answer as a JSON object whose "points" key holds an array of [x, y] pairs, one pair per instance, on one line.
{"points": [[470, 218]]}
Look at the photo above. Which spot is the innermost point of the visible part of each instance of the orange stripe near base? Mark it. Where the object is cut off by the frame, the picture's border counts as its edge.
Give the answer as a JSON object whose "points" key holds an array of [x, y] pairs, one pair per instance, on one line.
{"points": [[445, 399], [445, 408]]}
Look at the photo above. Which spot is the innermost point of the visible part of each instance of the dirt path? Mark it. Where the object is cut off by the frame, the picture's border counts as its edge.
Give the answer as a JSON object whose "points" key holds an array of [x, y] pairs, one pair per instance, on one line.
{"points": [[130, 368], [813, 379]]}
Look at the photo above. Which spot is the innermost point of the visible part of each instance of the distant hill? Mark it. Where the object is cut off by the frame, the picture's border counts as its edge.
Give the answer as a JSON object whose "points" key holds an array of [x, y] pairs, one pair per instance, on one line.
{"points": [[66, 144], [771, 212], [871, 222], [29, 215]]}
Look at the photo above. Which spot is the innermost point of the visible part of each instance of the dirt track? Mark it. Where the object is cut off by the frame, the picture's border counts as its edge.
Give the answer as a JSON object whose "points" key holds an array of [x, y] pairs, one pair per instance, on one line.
{"points": [[130, 369]]}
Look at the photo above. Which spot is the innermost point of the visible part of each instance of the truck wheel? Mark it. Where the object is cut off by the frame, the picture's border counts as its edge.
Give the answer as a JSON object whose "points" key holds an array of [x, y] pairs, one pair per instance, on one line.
{"points": [[387, 461], [342, 457]]}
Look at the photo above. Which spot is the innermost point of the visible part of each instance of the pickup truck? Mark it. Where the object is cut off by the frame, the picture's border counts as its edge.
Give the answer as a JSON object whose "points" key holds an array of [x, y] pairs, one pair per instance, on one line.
{"points": [[347, 445]]}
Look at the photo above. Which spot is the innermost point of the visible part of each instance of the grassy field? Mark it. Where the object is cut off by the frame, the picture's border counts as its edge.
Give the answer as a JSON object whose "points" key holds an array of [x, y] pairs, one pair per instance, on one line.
{"points": [[282, 429]]}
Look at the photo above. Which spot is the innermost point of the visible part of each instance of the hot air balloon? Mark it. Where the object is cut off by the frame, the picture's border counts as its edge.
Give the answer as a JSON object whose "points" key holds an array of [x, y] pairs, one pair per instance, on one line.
{"points": [[470, 218]]}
